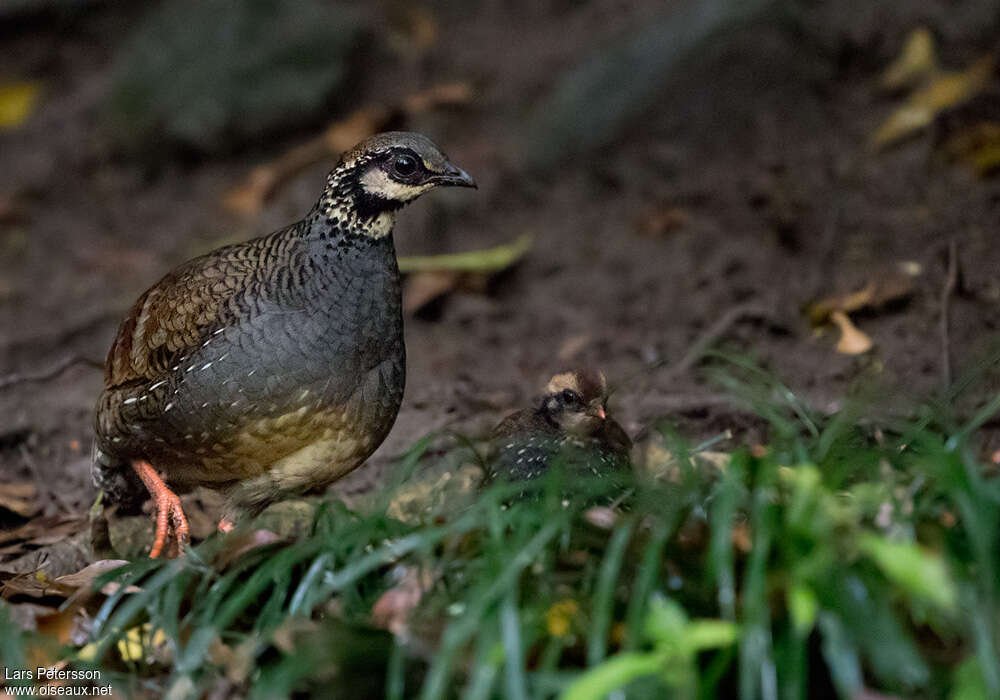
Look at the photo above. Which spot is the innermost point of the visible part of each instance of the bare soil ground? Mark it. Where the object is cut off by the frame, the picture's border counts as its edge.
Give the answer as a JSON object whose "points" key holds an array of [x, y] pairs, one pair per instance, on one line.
{"points": [[758, 150]]}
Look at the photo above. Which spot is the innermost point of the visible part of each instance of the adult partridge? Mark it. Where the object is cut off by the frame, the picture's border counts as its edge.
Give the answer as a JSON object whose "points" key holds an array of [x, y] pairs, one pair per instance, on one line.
{"points": [[271, 367]]}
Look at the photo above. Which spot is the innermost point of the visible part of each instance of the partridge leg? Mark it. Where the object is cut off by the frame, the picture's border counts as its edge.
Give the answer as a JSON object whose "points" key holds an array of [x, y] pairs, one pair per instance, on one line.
{"points": [[169, 515], [226, 525]]}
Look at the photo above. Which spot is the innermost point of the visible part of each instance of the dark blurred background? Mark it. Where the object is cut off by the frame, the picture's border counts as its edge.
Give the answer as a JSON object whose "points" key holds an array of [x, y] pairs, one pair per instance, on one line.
{"points": [[672, 161]]}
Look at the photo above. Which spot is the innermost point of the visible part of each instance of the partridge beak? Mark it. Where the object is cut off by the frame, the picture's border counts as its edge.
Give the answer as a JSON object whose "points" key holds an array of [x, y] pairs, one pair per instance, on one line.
{"points": [[456, 177], [601, 413]]}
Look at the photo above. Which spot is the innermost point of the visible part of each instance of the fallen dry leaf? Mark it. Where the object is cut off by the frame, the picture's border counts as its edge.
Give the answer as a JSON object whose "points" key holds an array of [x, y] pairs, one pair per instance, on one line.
{"points": [[894, 285], [17, 101], [284, 636], [601, 517], [661, 220], [392, 610], [427, 495], [85, 577], [917, 60], [37, 584], [20, 498], [43, 530], [441, 95], [238, 659], [852, 341], [942, 91], [263, 181], [560, 617], [423, 288], [68, 625], [33, 585], [139, 643], [978, 145], [740, 537], [432, 276], [358, 126], [660, 463], [143, 643]]}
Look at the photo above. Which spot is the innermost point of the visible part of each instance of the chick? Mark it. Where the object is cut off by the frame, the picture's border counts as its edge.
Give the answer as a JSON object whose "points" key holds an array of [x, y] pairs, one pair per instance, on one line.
{"points": [[570, 425]]}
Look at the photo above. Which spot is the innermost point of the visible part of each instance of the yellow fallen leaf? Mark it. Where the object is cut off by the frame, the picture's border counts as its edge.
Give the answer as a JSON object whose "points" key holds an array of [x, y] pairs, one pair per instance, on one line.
{"points": [[560, 616], [488, 260], [917, 60], [134, 645], [978, 145], [17, 100], [890, 286], [431, 277], [942, 92], [138, 642], [852, 341]]}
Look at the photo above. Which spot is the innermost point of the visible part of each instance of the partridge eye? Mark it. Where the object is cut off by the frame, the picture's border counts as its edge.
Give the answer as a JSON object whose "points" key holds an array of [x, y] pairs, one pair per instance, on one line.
{"points": [[404, 165], [571, 397]]}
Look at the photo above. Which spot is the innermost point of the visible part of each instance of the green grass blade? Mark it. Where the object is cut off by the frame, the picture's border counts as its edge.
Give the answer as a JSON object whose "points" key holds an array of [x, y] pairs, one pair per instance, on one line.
{"points": [[510, 628], [604, 596]]}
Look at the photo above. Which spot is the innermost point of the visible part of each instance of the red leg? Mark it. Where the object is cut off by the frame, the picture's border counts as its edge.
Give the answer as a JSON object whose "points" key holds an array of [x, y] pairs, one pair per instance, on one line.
{"points": [[169, 514], [226, 525]]}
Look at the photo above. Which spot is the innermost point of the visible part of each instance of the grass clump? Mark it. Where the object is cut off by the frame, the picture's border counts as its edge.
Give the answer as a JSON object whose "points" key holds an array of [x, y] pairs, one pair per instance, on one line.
{"points": [[850, 553]]}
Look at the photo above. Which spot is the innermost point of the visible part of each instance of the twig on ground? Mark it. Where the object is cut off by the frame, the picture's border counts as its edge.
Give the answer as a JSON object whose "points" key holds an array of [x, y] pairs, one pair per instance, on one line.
{"points": [[951, 282], [64, 364]]}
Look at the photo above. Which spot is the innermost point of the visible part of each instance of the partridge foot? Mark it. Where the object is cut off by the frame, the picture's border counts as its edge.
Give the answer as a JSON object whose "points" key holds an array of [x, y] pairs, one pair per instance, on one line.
{"points": [[171, 523]]}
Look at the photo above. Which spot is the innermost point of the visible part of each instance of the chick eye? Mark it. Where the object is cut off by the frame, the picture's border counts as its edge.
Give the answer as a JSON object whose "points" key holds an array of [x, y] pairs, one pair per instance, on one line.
{"points": [[404, 165], [571, 397]]}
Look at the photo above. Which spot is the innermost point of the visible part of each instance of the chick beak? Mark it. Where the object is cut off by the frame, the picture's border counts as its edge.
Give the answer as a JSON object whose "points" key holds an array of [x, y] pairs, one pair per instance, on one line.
{"points": [[456, 177], [601, 413]]}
